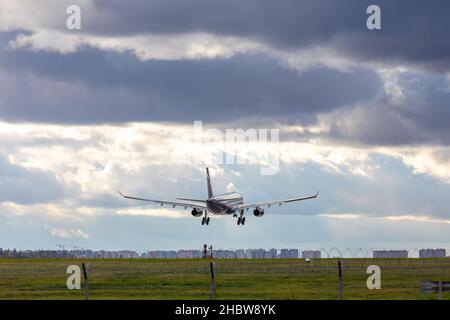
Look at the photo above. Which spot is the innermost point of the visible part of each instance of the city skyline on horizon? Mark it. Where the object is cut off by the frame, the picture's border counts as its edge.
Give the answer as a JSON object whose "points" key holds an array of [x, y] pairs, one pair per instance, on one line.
{"points": [[255, 253]]}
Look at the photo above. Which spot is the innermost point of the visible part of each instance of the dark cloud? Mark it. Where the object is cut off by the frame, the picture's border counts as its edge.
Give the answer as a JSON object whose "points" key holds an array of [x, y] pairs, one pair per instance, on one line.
{"points": [[412, 31], [27, 186], [92, 86], [420, 116]]}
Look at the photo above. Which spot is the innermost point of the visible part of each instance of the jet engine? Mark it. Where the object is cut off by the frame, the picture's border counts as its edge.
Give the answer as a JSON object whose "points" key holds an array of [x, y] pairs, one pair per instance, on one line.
{"points": [[196, 213], [258, 212]]}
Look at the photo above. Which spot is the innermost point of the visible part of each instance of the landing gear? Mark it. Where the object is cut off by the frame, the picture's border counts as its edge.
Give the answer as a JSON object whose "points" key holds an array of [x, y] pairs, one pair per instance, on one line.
{"points": [[241, 219], [205, 220]]}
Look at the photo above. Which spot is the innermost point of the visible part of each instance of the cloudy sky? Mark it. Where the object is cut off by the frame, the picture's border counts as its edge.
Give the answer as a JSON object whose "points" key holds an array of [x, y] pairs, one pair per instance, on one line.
{"points": [[363, 116]]}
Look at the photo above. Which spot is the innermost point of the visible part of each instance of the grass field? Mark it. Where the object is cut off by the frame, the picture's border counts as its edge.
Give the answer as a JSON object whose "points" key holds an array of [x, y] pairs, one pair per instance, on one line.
{"points": [[236, 279]]}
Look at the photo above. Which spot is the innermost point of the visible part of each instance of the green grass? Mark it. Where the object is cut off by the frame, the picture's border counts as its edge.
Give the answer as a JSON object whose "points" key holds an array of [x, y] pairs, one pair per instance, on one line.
{"points": [[236, 279]]}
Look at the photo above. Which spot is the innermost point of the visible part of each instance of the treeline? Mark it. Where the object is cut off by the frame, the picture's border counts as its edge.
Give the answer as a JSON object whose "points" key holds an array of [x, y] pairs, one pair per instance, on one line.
{"points": [[26, 254]]}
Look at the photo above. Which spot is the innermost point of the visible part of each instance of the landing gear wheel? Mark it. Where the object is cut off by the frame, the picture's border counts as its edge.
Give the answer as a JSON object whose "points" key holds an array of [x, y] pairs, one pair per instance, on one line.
{"points": [[243, 221], [239, 221], [203, 220], [207, 221]]}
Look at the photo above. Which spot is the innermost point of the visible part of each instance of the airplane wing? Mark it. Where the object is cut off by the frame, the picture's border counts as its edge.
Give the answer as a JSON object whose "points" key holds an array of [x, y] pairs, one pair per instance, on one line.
{"points": [[168, 203], [274, 202]]}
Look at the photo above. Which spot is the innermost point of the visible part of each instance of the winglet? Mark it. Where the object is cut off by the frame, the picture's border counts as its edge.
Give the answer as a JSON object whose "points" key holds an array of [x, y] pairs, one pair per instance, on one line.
{"points": [[317, 194], [121, 194]]}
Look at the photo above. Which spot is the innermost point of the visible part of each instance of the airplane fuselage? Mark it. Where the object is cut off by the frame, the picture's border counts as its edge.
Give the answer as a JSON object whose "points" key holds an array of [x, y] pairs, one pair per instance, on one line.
{"points": [[224, 203]]}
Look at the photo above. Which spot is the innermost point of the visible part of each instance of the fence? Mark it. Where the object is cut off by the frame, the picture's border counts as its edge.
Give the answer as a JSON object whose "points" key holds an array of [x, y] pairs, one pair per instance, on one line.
{"points": [[234, 279]]}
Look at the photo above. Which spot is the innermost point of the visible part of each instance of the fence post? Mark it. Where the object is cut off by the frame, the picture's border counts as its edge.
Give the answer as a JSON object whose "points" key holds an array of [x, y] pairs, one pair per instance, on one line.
{"points": [[212, 267], [440, 291], [86, 268], [341, 293]]}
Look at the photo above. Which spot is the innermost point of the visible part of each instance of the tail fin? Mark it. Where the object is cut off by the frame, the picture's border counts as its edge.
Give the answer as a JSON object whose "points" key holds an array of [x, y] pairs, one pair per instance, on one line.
{"points": [[208, 179]]}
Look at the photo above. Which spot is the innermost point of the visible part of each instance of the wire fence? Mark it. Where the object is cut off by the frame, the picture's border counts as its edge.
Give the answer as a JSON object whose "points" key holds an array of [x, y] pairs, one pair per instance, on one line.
{"points": [[235, 278]]}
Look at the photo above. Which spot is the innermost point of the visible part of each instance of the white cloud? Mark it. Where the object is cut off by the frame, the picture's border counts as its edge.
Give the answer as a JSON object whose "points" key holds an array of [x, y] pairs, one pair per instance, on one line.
{"points": [[231, 187], [68, 233], [405, 231], [345, 216], [392, 87], [430, 160], [45, 25], [399, 218], [164, 213], [68, 211], [162, 47], [185, 46], [93, 160]]}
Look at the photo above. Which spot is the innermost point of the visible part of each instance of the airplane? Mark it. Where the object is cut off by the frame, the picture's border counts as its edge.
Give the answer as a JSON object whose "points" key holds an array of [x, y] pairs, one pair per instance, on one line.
{"points": [[231, 203]]}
